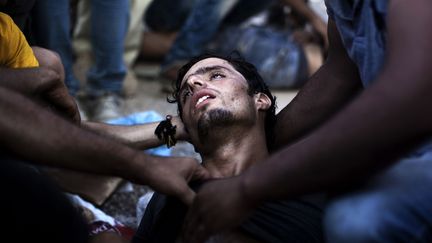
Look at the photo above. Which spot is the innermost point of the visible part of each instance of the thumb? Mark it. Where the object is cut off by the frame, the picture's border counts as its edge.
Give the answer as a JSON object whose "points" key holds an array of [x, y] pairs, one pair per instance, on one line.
{"points": [[201, 173], [187, 196]]}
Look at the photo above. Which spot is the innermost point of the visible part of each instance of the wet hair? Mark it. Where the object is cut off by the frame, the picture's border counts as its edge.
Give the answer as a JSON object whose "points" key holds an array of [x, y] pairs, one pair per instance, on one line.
{"points": [[250, 73]]}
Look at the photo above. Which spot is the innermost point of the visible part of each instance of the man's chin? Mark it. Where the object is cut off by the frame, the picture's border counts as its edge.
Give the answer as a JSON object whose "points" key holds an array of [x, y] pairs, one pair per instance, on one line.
{"points": [[211, 119]]}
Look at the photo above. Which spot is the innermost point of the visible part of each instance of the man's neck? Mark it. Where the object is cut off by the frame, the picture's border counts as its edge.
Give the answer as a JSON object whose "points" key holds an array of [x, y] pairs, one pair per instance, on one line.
{"points": [[231, 152]]}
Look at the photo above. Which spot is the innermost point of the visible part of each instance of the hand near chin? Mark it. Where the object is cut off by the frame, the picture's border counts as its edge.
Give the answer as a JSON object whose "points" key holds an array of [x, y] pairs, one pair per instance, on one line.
{"points": [[170, 176], [218, 206]]}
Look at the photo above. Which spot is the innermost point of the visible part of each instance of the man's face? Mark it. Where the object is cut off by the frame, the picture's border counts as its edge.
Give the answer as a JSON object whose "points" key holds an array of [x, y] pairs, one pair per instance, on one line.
{"points": [[213, 93]]}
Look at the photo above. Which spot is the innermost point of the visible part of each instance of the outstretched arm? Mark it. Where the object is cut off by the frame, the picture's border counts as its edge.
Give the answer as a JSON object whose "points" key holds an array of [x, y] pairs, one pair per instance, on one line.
{"points": [[40, 136], [369, 132], [326, 92], [356, 141], [137, 136]]}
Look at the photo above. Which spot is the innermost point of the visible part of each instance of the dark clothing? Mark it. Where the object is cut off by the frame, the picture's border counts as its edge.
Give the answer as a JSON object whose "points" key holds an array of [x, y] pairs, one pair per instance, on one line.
{"points": [[20, 12], [33, 209], [167, 15], [296, 220], [162, 220], [285, 221]]}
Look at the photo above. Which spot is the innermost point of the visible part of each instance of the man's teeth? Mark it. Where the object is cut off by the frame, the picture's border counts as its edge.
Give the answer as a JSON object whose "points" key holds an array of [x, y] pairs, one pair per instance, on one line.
{"points": [[202, 99]]}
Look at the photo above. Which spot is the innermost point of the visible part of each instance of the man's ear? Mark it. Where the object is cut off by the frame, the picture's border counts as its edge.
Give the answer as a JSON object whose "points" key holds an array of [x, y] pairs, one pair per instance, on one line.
{"points": [[262, 101]]}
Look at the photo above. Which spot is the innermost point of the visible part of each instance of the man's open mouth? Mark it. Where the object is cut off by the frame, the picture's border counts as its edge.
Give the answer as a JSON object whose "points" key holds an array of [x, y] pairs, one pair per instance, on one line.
{"points": [[200, 100]]}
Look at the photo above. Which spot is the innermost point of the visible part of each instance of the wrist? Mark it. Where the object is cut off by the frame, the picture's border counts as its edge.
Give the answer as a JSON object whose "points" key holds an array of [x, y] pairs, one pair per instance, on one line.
{"points": [[166, 132], [181, 133]]}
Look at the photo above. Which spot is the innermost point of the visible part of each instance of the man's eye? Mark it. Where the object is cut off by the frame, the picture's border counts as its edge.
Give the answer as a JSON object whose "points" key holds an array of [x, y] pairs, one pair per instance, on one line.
{"points": [[217, 76]]}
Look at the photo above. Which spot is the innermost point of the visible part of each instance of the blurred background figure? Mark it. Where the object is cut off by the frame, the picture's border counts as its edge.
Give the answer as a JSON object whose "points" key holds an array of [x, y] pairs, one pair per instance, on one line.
{"points": [[108, 27], [286, 40], [82, 45]]}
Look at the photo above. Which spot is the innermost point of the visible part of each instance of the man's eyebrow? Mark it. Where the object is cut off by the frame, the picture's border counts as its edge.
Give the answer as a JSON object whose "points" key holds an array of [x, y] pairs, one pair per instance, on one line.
{"points": [[204, 70]]}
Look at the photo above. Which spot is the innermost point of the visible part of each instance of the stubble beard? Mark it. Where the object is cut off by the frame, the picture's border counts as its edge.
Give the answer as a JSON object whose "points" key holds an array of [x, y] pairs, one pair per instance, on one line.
{"points": [[213, 119]]}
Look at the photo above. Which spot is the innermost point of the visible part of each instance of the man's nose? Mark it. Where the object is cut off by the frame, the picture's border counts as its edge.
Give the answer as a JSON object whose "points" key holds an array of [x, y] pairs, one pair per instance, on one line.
{"points": [[196, 83]]}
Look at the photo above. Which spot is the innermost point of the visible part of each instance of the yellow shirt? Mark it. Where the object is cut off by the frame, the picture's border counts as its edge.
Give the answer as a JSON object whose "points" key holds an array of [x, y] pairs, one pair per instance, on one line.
{"points": [[15, 52]]}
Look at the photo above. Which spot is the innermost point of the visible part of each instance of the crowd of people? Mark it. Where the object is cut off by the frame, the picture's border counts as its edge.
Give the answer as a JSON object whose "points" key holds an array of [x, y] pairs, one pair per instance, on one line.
{"points": [[349, 159]]}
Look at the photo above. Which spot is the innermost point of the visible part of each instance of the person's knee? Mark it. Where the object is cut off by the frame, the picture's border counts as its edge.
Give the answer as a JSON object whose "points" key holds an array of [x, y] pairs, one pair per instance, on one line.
{"points": [[50, 59], [358, 220]]}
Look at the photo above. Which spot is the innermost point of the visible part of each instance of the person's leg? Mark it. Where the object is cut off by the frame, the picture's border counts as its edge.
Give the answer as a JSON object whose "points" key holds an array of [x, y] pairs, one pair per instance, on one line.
{"points": [[155, 45], [135, 30], [133, 43], [81, 41], [167, 15], [198, 30], [163, 20], [51, 25], [395, 206], [245, 9], [108, 28], [109, 23], [83, 49]]}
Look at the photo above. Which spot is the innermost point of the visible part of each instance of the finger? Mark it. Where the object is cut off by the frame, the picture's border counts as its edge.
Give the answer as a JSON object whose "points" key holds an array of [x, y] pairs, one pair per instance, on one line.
{"points": [[66, 106], [187, 196], [77, 118], [201, 173], [75, 114], [70, 109]]}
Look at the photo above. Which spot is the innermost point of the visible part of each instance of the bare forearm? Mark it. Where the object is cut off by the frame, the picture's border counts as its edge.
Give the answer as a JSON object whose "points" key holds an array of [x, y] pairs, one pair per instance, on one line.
{"points": [[375, 129], [137, 136], [25, 80], [42, 137], [364, 137], [324, 94], [327, 91]]}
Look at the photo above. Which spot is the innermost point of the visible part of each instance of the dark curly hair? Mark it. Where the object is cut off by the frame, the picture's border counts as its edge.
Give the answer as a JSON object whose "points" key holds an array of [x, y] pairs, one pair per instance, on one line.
{"points": [[249, 72]]}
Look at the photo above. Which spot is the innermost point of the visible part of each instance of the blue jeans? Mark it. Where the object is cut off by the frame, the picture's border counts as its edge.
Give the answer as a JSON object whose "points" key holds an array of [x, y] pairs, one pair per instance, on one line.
{"points": [[204, 21], [109, 23], [362, 26], [395, 206]]}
